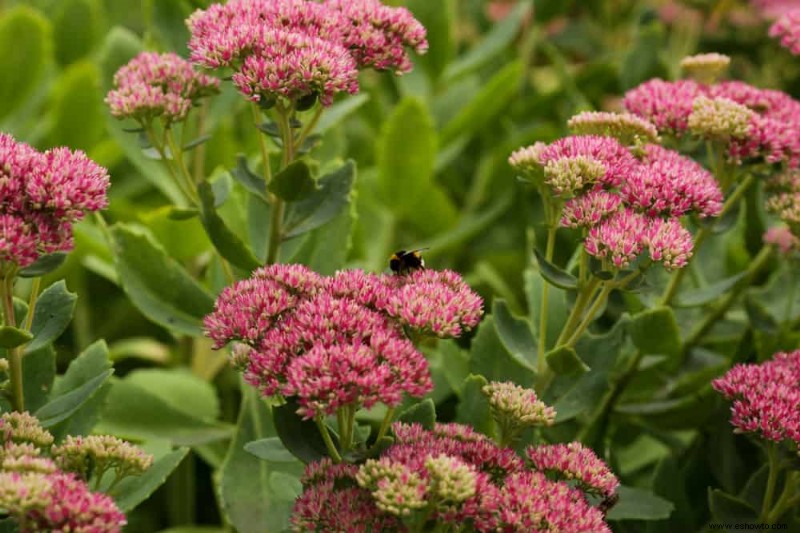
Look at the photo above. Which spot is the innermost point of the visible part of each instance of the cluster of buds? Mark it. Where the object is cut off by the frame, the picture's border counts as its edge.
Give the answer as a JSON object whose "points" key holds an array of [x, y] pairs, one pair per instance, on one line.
{"points": [[299, 50], [339, 341], [42, 196], [43, 487]]}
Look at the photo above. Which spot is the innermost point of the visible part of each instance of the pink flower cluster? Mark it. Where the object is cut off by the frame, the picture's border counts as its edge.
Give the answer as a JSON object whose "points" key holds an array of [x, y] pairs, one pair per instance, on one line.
{"points": [[295, 49], [765, 397], [489, 489], [339, 340], [787, 29], [771, 131], [158, 85], [42, 195], [635, 204]]}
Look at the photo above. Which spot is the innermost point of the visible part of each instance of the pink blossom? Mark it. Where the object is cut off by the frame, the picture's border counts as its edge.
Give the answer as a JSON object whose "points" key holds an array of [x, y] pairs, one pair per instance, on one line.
{"points": [[772, 9], [765, 397], [787, 30], [589, 209], [377, 35], [666, 104], [18, 242], [575, 461], [619, 239], [782, 238], [669, 242], [617, 160]]}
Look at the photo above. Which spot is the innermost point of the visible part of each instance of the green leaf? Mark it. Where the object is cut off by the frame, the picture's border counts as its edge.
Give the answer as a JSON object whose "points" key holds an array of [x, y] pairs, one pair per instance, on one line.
{"points": [[639, 504], [91, 363], [564, 360], [340, 111], [759, 316], [183, 213], [490, 358], [52, 315], [473, 409], [293, 183], [39, 371], [727, 508], [77, 110], [168, 18], [423, 413], [26, 42], [300, 437], [557, 307], [406, 152], [325, 249], [65, 405], [44, 265], [179, 388], [555, 275], [156, 284], [332, 196], [132, 412], [493, 98], [132, 491], [246, 495], [247, 178], [643, 60], [439, 19], [493, 43], [119, 47], [285, 487], [76, 29], [8, 525], [698, 297], [270, 449], [227, 243], [515, 333], [655, 332], [11, 337]]}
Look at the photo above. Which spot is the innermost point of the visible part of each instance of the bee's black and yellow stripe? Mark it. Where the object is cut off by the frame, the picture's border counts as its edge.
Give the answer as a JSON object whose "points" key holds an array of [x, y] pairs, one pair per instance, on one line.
{"points": [[403, 262]]}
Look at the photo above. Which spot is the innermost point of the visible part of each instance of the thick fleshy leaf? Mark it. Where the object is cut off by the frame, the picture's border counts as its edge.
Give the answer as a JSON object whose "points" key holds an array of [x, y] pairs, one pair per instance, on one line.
{"points": [[26, 41], [557, 307], [698, 297], [726, 507], [78, 99], [439, 19], [179, 388], [63, 406], [639, 504], [301, 437], [227, 243], [555, 275], [423, 413], [515, 333], [52, 315], [490, 358], [247, 178], [564, 360], [332, 196], [44, 265], [270, 449], [11, 337], [156, 284], [655, 332], [293, 183], [473, 409], [39, 372], [133, 490]]}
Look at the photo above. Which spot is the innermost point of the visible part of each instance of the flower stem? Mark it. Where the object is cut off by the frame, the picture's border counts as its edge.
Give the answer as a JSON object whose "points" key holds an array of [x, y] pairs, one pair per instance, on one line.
{"points": [[326, 436], [598, 303], [787, 500], [387, 421], [772, 480], [183, 172], [35, 286], [309, 127], [159, 146], [584, 297], [543, 309], [278, 205], [14, 354], [262, 144]]}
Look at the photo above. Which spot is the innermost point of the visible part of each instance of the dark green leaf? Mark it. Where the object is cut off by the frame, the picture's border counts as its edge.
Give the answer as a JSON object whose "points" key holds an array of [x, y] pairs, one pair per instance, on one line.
{"points": [[564, 360], [195, 143], [423, 413], [555, 275], [65, 405], [11, 337], [25, 38], [439, 19], [39, 371], [134, 413], [168, 17], [655, 332], [44, 265], [179, 388], [293, 183], [325, 249], [183, 213], [227, 243], [490, 358], [473, 409], [557, 307], [301, 437], [8, 525], [270, 449], [158, 285], [760, 318], [132, 491], [727, 508], [639, 504], [324, 204], [515, 333], [248, 179], [52, 315], [698, 297], [755, 488], [643, 59]]}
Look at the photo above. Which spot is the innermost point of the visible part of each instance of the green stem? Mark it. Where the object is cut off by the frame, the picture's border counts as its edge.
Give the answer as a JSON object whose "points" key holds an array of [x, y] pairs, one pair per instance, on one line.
{"points": [[584, 297], [772, 480], [543, 309], [672, 288], [719, 311], [159, 146], [16, 386], [787, 500], [385, 424], [309, 127], [598, 303], [35, 287], [278, 205], [262, 144], [326, 436], [183, 172]]}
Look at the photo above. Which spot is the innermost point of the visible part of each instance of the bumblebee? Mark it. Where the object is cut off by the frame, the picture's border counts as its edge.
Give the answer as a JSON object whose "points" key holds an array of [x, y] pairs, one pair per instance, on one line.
{"points": [[403, 262]]}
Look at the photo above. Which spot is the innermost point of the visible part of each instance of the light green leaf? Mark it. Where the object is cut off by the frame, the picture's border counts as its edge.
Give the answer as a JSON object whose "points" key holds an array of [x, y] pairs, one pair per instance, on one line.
{"points": [[26, 42], [78, 112], [423, 413], [270, 449], [63, 406], [339, 112], [293, 183], [52, 315], [227, 243], [179, 388], [11, 337], [76, 29], [439, 19], [133, 490]]}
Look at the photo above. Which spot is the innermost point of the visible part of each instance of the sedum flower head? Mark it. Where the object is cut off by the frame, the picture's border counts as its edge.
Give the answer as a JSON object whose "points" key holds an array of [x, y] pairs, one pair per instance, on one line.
{"points": [[665, 104], [527, 159], [706, 68], [100, 453], [23, 427], [589, 209], [765, 397], [782, 238], [787, 30], [719, 118], [575, 461], [397, 489], [618, 239], [627, 128], [57, 502], [517, 406], [670, 243], [451, 479], [568, 175], [158, 85], [615, 158]]}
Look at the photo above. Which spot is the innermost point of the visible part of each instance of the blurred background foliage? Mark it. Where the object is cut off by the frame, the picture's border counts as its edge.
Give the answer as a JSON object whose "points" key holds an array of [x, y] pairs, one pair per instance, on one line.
{"points": [[431, 150]]}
